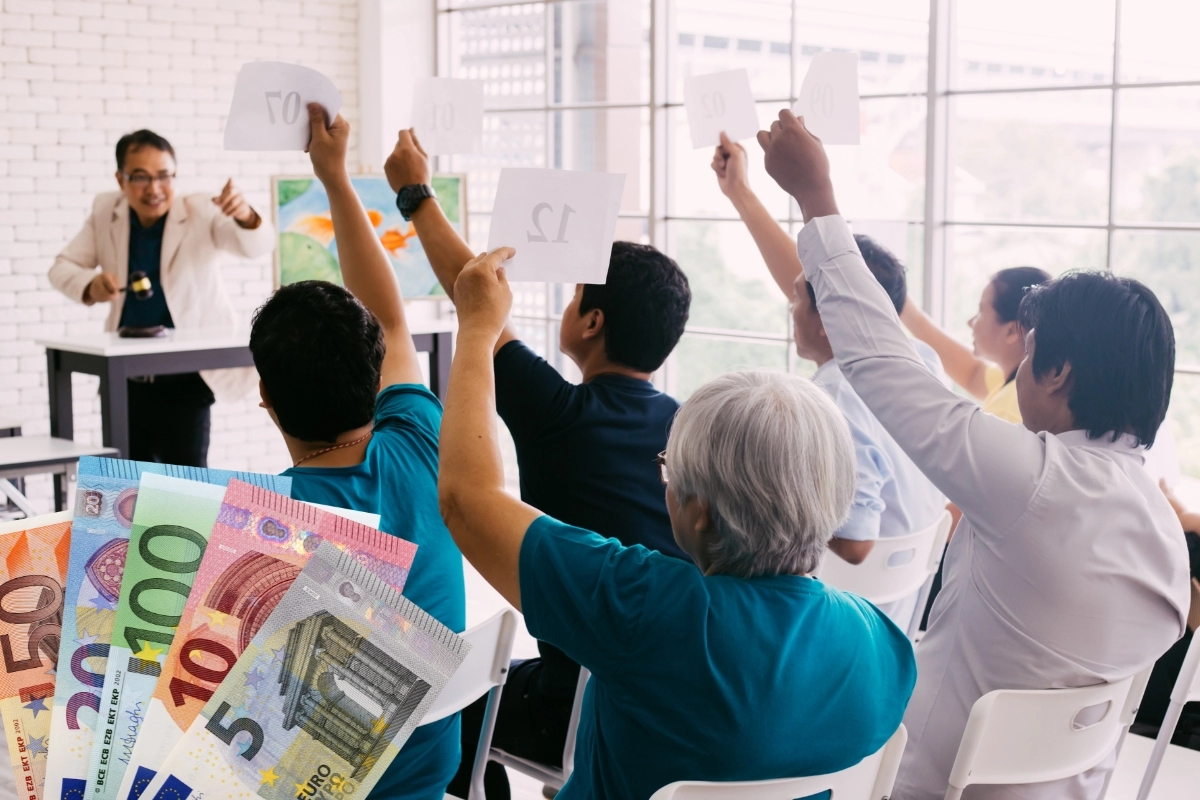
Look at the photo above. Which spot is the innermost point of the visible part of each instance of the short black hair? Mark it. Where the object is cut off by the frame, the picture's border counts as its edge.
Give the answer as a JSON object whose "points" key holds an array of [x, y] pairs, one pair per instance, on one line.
{"points": [[645, 300], [1009, 287], [138, 140], [1119, 342], [319, 353], [886, 268]]}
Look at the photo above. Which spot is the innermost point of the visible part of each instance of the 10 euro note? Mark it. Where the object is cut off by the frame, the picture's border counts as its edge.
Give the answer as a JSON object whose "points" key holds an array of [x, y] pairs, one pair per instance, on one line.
{"points": [[105, 499], [258, 546], [33, 569], [172, 522], [323, 697]]}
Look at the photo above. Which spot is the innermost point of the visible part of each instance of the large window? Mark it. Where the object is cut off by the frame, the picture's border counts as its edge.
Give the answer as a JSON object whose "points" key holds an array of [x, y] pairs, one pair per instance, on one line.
{"points": [[1060, 133]]}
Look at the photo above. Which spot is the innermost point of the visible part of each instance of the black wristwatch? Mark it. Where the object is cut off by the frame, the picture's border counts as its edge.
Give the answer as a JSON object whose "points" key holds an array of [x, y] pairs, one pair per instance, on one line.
{"points": [[410, 197]]}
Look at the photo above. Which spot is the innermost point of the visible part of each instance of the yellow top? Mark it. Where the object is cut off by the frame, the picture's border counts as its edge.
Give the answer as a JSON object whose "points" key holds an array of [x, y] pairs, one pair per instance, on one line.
{"points": [[1001, 398]]}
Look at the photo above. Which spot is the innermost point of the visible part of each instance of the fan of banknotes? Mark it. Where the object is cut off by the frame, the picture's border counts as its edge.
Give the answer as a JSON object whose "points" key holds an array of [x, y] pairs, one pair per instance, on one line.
{"points": [[189, 632]]}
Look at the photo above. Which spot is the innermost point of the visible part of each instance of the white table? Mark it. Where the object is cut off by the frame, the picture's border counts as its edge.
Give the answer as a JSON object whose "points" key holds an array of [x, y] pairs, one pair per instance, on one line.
{"points": [[35, 455], [115, 360]]}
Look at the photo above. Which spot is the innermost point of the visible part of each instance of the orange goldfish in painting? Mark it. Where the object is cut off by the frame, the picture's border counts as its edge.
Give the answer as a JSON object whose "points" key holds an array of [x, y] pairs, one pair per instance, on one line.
{"points": [[394, 241], [320, 226]]}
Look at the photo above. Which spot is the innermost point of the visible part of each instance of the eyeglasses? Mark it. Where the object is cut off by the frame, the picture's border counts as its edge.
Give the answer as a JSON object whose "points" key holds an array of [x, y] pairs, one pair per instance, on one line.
{"points": [[144, 179], [661, 460]]}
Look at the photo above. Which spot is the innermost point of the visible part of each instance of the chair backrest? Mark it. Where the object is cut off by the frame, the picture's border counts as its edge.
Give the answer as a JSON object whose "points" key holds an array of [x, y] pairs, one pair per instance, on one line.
{"points": [[1032, 736], [895, 568], [568, 759], [869, 779], [1187, 685], [485, 666]]}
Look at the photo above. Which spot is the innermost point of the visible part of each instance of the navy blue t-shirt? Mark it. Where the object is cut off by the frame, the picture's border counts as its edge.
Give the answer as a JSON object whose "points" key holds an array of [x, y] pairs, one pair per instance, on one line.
{"points": [[587, 454], [145, 255]]}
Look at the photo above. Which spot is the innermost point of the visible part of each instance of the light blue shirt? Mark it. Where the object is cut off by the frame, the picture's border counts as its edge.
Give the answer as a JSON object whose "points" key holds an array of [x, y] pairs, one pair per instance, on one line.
{"points": [[893, 497]]}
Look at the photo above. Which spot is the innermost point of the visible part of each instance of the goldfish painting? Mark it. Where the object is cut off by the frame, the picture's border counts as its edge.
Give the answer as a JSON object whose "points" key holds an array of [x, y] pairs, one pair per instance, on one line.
{"points": [[394, 241]]}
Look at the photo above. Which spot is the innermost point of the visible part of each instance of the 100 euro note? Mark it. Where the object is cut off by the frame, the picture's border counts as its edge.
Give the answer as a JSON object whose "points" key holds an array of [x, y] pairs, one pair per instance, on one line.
{"points": [[258, 546], [105, 499], [172, 522], [33, 569], [324, 696]]}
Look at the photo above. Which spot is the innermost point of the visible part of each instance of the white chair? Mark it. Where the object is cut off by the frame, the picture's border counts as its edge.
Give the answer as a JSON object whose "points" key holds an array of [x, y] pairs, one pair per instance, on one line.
{"points": [[1137, 690], [894, 569], [554, 777], [1033, 736], [483, 671], [1187, 689], [869, 779]]}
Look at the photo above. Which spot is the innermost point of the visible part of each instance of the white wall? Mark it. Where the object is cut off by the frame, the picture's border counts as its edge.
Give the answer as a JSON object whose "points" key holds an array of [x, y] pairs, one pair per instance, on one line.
{"points": [[74, 76]]}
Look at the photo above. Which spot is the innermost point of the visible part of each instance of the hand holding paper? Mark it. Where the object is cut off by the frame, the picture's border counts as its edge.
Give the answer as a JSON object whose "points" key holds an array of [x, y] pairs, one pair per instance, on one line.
{"points": [[448, 115], [797, 162], [829, 98], [270, 102], [482, 295], [719, 102]]}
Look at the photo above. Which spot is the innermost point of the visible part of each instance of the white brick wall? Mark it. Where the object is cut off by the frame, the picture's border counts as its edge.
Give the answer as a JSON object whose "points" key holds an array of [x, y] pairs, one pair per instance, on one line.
{"points": [[75, 76]]}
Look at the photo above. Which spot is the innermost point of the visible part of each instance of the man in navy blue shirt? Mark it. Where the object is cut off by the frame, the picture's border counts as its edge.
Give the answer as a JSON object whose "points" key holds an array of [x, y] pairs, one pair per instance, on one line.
{"points": [[586, 452]]}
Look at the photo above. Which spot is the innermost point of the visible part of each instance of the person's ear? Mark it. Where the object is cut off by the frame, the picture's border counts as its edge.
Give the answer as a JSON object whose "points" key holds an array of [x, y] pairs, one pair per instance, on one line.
{"points": [[1013, 333], [703, 517], [264, 398], [593, 324], [1057, 382], [120, 179]]}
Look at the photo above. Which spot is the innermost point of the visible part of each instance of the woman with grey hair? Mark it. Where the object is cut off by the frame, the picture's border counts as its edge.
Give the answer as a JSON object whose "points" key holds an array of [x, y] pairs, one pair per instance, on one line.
{"points": [[739, 667]]}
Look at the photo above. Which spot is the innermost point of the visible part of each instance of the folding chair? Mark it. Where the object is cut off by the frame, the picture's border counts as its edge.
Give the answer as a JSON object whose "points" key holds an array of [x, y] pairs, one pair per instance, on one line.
{"points": [[1187, 689], [1137, 690], [894, 569], [483, 671], [554, 777], [869, 779], [1034, 736]]}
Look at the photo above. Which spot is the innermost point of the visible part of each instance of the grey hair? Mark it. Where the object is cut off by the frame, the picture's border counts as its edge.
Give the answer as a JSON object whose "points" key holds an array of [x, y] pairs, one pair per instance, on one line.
{"points": [[772, 455]]}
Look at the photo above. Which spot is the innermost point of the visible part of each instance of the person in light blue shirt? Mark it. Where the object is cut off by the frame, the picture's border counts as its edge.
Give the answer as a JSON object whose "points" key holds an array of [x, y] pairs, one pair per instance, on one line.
{"points": [[893, 497], [738, 666]]}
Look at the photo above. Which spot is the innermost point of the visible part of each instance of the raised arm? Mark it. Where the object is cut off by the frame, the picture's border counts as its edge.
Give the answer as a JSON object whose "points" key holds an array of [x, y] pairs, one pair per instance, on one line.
{"points": [[446, 250], [487, 523], [986, 466], [366, 269], [964, 367], [776, 246]]}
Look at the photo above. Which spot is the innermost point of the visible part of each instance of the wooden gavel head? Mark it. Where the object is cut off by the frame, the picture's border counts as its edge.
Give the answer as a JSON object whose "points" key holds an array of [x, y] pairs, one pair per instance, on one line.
{"points": [[139, 284]]}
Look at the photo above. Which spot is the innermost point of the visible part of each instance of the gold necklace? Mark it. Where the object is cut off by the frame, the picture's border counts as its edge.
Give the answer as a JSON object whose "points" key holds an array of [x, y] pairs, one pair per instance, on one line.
{"points": [[362, 438]]}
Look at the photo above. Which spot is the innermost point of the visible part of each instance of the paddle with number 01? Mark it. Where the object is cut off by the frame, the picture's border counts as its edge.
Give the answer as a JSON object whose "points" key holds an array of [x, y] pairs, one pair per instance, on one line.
{"points": [[33, 569], [323, 697]]}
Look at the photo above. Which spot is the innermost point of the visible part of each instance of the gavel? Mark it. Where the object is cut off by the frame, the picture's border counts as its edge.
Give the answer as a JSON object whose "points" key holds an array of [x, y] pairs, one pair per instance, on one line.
{"points": [[139, 284]]}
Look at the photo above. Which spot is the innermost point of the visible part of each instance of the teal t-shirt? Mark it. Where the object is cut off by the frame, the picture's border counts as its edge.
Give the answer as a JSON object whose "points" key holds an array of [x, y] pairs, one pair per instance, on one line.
{"points": [[398, 481], [709, 678]]}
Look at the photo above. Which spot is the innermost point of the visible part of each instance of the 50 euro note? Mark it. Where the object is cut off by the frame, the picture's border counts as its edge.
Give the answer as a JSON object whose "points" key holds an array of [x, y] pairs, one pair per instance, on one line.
{"points": [[172, 522], [105, 500], [258, 546], [33, 569], [324, 696]]}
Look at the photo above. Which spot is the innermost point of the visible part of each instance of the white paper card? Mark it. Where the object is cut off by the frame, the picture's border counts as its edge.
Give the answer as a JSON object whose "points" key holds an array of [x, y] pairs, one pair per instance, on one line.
{"points": [[448, 115], [721, 101], [829, 98], [270, 106], [562, 223]]}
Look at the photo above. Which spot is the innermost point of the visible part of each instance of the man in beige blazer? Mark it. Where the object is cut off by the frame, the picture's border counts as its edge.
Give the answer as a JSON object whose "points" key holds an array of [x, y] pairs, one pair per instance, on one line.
{"points": [[175, 242]]}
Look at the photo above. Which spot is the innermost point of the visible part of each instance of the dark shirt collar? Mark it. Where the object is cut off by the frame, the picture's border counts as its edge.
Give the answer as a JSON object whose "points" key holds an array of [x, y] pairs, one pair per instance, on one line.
{"points": [[155, 231], [624, 381]]}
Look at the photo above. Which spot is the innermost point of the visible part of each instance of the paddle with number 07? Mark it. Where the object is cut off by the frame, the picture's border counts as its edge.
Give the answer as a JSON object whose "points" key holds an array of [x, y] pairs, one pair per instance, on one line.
{"points": [[323, 697]]}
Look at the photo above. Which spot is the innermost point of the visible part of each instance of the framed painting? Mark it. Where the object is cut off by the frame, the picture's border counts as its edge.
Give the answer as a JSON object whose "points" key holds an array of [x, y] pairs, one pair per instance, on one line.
{"points": [[307, 247]]}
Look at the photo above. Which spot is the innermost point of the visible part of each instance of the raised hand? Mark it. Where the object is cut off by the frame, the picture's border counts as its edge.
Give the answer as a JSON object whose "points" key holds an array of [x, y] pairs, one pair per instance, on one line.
{"points": [[233, 204], [482, 294], [408, 164], [796, 160], [327, 148], [729, 162]]}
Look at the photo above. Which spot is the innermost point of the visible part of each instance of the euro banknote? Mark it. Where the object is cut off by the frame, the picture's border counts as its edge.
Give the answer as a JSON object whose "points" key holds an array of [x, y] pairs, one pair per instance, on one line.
{"points": [[105, 498], [33, 568], [171, 525], [258, 546], [324, 695]]}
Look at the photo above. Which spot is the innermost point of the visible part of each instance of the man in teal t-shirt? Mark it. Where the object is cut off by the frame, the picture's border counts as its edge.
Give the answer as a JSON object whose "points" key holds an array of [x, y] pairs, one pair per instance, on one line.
{"points": [[342, 380]]}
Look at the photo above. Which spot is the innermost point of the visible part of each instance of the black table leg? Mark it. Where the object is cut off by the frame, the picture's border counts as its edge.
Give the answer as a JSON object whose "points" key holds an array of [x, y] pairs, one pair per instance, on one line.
{"points": [[58, 380], [440, 357], [114, 406]]}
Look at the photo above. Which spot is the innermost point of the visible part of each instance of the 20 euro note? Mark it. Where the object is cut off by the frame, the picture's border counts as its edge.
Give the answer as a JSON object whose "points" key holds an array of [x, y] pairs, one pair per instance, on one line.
{"points": [[172, 522], [33, 568], [258, 546], [323, 697], [105, 499]]}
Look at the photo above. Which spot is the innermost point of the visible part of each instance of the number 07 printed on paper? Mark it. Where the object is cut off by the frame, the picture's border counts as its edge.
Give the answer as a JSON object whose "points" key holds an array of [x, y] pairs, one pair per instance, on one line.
{"points": [[269, 110], [561, 222]]}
